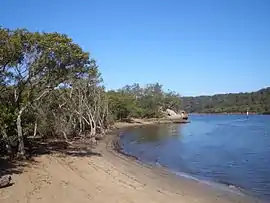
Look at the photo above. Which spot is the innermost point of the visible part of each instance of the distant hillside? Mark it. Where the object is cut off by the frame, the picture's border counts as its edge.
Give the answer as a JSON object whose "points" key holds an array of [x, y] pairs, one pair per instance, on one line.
{"points": [[257, 102]]}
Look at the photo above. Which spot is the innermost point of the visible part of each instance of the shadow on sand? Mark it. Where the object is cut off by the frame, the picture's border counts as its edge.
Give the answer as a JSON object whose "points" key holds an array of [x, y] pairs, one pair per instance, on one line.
{"points": [[38, 147]]}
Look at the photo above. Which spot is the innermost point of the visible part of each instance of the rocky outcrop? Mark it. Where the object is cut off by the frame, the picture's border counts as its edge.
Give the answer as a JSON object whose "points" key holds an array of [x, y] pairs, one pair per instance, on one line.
{"points": [[172, 115], [170, 112], [184, 115]]}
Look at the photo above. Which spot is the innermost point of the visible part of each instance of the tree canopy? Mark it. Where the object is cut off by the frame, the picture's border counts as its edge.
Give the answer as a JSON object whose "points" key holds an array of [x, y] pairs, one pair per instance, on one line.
{"points": [[142, 102], [48, 85]]}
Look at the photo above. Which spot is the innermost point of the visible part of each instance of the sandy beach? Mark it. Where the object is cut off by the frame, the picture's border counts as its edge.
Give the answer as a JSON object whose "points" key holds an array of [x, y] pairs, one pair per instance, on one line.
{"points": [[106, 176]]}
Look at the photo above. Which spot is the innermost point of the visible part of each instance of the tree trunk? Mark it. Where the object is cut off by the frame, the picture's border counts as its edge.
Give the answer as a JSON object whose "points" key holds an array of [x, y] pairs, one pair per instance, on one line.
{"points": [[101, 128], [35, 129], [81, 125], [21, 150], [7, 144], [93, 126], [65, 136]]}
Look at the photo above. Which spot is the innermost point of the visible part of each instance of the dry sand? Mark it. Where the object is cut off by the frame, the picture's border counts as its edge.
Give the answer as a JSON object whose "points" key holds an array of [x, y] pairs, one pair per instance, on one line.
{"points": [[111, 177]]}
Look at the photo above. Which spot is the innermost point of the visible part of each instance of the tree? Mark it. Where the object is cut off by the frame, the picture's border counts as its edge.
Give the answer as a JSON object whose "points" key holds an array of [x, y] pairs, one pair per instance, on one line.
{"points": [[122, 105], [34, 64]]}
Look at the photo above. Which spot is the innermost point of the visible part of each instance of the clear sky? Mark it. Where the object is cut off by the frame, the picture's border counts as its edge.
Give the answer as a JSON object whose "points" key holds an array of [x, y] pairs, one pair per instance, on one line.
{"points": [[193, 47]]}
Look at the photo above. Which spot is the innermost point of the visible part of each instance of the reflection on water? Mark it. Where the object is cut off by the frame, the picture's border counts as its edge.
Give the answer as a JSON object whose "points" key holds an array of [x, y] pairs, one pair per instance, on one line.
{"points": [[216, 148], [156, 133]]}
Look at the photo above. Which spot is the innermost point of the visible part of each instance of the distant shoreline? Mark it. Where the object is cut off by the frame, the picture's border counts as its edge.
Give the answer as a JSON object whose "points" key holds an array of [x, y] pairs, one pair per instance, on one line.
{"points": [[239, 113]]}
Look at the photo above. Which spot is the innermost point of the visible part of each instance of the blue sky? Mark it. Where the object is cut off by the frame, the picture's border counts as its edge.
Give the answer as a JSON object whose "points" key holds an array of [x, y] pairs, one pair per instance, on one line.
{"points": [[194, 47]]}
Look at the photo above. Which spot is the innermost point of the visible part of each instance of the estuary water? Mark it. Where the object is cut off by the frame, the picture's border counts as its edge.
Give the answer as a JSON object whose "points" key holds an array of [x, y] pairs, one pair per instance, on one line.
{"points": [[227, 149]]}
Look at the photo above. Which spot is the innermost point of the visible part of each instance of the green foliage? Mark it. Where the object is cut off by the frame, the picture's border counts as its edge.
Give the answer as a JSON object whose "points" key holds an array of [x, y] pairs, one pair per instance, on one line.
{"points": [[121, 104], [258, 102], [138, 102], [48, 85]]}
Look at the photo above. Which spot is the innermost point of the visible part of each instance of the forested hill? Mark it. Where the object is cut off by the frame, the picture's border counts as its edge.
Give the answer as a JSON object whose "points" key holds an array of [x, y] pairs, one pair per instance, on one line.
{"points": [[257, 102]]}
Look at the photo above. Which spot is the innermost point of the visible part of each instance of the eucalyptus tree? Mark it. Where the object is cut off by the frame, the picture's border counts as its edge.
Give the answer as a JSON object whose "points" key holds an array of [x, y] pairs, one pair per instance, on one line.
{"points": [[33, 65]]}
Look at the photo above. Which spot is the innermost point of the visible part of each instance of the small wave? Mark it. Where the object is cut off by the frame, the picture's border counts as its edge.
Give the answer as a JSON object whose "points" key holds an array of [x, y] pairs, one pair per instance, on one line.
{"points": [[222, 186]]}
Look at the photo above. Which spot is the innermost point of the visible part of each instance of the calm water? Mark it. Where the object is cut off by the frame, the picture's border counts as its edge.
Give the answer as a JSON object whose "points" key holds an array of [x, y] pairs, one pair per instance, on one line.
{"points": [[227, 149]]}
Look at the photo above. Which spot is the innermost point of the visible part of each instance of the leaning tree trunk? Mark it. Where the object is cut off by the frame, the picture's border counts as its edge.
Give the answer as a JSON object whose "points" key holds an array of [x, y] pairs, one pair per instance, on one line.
{"points": [[21, 150]]}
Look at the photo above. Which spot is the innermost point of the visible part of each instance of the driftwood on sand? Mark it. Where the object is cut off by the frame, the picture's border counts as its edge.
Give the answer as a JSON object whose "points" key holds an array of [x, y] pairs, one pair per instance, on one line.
{"points": [[5, 181]]}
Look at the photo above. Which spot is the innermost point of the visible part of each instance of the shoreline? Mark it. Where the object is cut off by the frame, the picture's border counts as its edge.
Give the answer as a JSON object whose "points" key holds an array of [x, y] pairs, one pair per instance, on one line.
{"points": [[105, 175], [250, 113], [229, 189]]}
